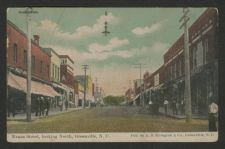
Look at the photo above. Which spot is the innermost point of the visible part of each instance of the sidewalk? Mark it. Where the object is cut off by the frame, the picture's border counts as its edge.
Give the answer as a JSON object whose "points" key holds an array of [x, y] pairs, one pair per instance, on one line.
{"points": [[179, 116], [22, 116]]}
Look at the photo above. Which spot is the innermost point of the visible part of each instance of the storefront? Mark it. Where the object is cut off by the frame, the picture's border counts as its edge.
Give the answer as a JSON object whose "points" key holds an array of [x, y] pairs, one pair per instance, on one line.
{"points": [[17, 88]]}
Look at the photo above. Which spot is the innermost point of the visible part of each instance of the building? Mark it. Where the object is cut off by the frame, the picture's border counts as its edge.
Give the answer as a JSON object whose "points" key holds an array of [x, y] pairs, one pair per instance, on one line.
{"points": [[168, 81], [79, 93], [17, 69], [54, 66], [89, 87], [66, 78]]}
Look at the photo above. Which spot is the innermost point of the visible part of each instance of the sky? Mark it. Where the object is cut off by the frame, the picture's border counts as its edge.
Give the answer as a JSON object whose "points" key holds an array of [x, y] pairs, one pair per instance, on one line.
{"points": [[137, 35]]}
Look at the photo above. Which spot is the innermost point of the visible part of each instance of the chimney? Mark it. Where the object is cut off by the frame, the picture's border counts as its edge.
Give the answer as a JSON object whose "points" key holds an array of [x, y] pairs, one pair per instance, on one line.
{"points": [[36, 39]]}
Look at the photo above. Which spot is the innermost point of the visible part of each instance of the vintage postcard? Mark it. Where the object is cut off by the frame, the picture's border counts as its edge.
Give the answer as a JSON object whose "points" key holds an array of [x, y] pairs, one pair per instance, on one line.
{"points": [[112, 74]]}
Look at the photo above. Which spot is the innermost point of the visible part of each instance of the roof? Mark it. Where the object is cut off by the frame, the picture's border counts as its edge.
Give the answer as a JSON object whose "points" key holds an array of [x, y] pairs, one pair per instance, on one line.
{"points": [[24, 34], [66, 56], [50, 50]]}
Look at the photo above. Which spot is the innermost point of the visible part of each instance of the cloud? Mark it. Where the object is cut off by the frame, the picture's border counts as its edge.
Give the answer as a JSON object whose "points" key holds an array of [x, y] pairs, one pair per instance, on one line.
{"points": [[113, 43], [140, 31], [51, 28]]}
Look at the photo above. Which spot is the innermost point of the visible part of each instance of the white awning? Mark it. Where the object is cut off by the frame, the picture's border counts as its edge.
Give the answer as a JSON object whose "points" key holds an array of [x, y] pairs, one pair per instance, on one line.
{"points": [[136, 97], [39, 88]]}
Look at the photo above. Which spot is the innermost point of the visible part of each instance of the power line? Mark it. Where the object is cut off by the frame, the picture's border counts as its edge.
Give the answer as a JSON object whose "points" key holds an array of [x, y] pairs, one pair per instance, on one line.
{"points": [[57, 22]]}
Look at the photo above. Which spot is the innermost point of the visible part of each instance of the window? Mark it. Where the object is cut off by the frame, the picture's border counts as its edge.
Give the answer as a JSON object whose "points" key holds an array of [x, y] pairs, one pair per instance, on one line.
{"points": [[205, 50], [53, 71], [25, 57], [33, 62], [41, 66], [48, 70], [194, 61], [15, 53], [199, 54]]}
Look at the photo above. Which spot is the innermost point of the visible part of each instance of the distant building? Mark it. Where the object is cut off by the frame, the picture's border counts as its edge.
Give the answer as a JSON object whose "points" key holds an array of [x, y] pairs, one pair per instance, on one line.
{"points": [[79, 93], [89, 87], [66, 77]]}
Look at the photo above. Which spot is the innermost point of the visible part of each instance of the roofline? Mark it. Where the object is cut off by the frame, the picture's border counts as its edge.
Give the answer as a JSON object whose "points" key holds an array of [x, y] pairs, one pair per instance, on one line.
{"points": [[24, 34], [66, 56]]}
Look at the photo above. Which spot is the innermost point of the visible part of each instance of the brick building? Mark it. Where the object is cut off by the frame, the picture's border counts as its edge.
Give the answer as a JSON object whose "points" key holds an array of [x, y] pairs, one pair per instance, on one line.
{"points": [[17, 69], [67, 77], [17, 51], [203, 66]]}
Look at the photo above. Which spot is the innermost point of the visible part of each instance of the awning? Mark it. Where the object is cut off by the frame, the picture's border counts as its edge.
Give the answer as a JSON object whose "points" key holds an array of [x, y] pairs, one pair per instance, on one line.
{"points": [[136, 97], [39, 88]]}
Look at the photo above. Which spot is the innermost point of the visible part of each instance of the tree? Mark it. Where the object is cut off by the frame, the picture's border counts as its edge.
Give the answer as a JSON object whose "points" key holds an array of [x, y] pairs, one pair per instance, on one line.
{"points": [[113, 100]]}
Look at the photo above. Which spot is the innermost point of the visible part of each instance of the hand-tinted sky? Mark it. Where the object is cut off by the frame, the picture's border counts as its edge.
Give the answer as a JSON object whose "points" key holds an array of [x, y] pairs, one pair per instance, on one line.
{"points": [[138, 35]]}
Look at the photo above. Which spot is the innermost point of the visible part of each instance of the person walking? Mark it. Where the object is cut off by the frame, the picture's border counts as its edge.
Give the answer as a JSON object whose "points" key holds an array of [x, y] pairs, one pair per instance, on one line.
{"points": [[37, 106], [47, 106], [66, 104], [182, 107], [165, 106], [213, 111], [42, 108]]}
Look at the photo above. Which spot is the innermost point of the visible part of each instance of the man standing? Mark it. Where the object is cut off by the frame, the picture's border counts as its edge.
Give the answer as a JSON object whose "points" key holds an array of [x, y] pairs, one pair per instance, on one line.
{"points": [[47, 105], [66, 104], [165, 106], [213, 110]]}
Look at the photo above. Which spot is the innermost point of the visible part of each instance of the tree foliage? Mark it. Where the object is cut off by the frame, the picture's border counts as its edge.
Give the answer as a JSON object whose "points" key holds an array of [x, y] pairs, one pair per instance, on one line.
{"points": [[113, 100]]}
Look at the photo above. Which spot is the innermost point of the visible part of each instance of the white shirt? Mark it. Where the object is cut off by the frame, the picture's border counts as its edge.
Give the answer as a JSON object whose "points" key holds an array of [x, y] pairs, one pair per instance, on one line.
{"points": [[165, 102], [213, 108], [150, 102]]}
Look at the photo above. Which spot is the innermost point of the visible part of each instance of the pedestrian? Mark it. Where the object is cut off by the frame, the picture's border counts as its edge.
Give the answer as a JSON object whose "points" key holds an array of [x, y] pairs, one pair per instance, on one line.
{"points": [[60, 104], [42, 107], [212, 117], [182, 107], [150, 106], [47, 105], [37, 106], [165, 106], [66, 104], [176, 107]]}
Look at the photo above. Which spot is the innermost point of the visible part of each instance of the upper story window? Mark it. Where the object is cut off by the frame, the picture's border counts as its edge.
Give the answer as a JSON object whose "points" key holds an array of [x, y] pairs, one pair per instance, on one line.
{"points": [[194, 60], [205, 47], [33, 62], [41, 66], [25, 57], [15, 53]]}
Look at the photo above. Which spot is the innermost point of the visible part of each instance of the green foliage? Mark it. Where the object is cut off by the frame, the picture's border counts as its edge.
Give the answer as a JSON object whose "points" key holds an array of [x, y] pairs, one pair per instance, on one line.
{"points": [[113, 100]]}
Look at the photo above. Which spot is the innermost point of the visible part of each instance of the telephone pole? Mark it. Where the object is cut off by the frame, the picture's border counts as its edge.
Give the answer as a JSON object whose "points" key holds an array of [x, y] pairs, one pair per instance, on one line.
{"points": [[187, 87], [85, 67], [140, 66], [28, 11]]}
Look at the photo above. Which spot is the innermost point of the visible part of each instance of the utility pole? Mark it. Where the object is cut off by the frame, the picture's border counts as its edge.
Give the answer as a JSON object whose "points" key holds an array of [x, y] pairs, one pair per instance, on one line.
{"points": [[139, 66], [85, 67], [28, 11], [187, 87]]}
